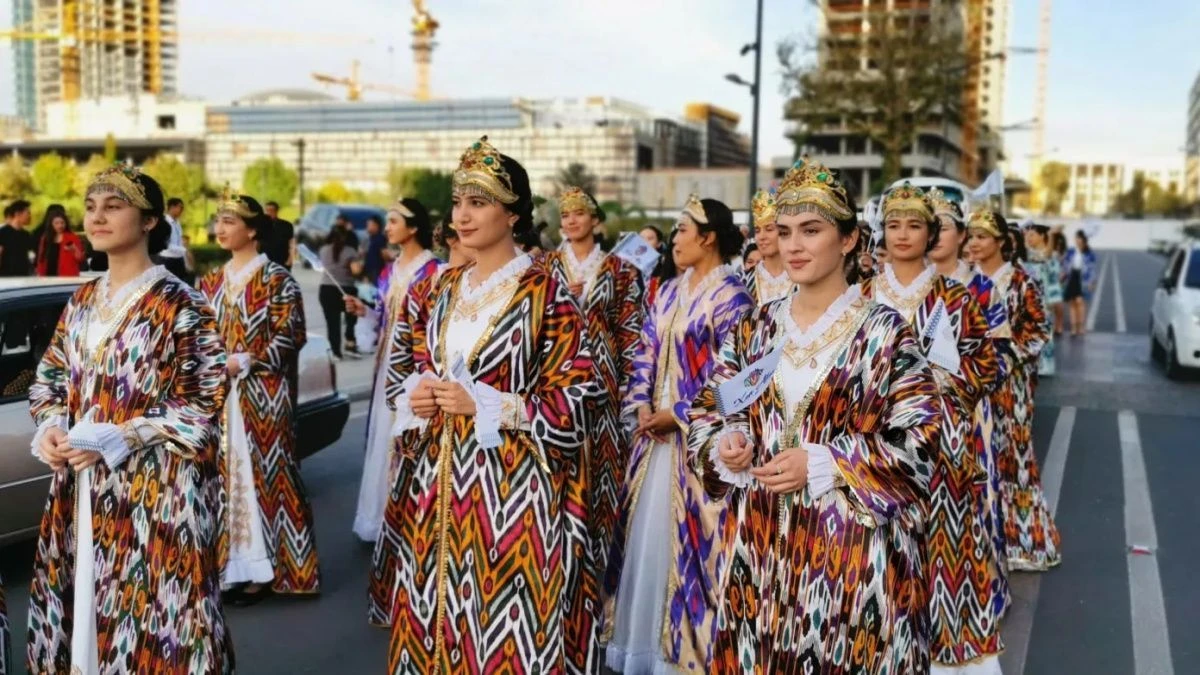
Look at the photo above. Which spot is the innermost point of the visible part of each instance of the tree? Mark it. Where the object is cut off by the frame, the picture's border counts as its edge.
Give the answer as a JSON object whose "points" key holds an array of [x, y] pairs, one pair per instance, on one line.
{"points": [[333, 192], [270, 180], [577, 175], [85, 173], [110, 148], [15, 181], [53, 176], [1055, 181], [174, 177], [431, 188], [916, 64], [1163, 202]]}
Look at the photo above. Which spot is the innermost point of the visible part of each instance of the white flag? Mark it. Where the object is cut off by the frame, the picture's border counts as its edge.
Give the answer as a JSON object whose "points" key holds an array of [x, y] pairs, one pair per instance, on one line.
{"points": [[993, 185]]}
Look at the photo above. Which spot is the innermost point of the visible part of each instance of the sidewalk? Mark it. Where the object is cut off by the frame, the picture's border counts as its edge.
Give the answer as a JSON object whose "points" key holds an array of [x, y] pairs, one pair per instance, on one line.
{"points": [[354, 376]]}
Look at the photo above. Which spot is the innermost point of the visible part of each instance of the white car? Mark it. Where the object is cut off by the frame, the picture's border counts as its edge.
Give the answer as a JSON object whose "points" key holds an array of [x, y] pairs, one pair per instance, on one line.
{"points": [[1175, 316]]}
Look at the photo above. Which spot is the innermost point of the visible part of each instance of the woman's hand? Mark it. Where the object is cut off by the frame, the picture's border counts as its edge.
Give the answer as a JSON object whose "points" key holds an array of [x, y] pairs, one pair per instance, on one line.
{"points": [[452, 398], [423, 400], [83, 459], [576, 289], [233, 367], [355, 306], [735, 453], [787, 472], [53, 448], [658, 425]]}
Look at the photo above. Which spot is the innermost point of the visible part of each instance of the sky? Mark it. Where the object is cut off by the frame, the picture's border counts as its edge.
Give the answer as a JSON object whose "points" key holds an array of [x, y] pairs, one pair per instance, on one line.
{"points": [[1118, 84]]}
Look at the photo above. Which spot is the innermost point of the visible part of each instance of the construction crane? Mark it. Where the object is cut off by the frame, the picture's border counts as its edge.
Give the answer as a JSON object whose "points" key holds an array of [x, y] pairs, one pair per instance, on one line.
{"points": [[424, 26], [355, 86]]}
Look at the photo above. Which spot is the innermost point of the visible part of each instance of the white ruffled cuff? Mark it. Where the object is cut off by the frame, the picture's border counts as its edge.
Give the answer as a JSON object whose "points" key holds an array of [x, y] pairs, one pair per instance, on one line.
{"points": [[102, 437], [821, 469], [405, 419], [59, 421], [243, 360], [739, 479]]}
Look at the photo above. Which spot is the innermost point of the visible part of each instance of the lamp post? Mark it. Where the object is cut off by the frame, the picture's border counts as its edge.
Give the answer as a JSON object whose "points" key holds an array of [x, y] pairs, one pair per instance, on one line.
{"points": [[299, 143], [755, 93]]}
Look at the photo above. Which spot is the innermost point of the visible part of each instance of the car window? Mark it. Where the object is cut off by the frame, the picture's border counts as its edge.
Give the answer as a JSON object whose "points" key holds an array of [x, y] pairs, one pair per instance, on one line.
{"points": [[1173, 268], [1192, 279], [25, 334]]}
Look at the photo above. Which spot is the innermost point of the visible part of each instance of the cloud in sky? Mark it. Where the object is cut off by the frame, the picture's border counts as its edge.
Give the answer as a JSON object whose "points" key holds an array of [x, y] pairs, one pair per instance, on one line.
{"points": [[1113, 91]]}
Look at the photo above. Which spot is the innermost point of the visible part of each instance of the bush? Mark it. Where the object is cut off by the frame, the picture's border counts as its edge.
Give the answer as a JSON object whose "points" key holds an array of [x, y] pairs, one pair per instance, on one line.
{"points": [[208, 256]]}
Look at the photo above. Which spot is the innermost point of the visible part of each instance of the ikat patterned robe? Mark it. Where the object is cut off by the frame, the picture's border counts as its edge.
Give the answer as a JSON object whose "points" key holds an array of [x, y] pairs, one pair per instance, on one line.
{"points": [[1031, 538], [265, 319], [1047, 272], [964, 571], [678, 349], [404, 356], [832, 585], [155, 517], [489, 538]]}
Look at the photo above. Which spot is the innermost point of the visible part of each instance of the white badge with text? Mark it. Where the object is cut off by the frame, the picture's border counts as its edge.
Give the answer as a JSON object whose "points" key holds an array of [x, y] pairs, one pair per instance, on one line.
{"points": [[739, 391]]}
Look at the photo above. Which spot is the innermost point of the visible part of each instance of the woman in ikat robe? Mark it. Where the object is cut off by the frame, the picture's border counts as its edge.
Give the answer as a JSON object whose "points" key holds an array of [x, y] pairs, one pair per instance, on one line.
{"points": [[964, 571], [493, 514], [1022, 522], [663, 573], [405, 357], [768, 280], [127, 569], [408, 228], [268, 522], [1046, 269], [827, 470]]}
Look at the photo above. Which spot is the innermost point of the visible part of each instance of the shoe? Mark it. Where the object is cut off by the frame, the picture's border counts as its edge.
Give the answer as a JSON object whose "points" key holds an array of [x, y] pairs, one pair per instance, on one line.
{"points": [[248, 599]]}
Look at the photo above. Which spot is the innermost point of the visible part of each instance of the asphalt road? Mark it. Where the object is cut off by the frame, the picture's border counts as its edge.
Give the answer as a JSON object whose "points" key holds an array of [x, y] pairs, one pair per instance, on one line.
{"points": [[1120, 459]]}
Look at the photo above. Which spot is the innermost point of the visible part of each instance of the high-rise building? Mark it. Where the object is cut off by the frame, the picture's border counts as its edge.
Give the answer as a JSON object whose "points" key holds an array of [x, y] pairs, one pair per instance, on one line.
{"points": [[1191, 182], [1093, 188], [76, 50], [966, 148]]}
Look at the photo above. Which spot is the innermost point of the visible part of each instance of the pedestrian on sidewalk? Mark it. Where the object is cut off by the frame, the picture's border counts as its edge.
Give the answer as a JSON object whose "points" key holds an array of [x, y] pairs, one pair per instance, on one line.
{"points": [[60, 251], [1081, 281], [342, 263]]}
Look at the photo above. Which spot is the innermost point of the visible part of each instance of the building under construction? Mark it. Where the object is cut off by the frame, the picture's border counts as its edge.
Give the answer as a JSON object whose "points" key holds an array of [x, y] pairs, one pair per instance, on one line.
{"points": [[89, 49]]}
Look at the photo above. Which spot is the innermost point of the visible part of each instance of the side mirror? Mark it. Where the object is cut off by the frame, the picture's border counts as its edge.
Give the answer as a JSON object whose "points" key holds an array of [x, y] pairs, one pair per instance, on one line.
{"points": [[1165, 284]]}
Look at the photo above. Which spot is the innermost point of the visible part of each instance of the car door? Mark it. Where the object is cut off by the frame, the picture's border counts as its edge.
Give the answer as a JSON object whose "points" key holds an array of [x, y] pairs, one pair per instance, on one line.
{"points": [[1160, 311], [27, 322]]}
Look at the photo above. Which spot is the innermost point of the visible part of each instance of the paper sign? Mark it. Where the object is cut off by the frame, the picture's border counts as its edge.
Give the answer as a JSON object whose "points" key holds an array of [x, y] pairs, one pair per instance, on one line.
{"points": [[739, 391], [313, 260], [633, 249], [487, 404]]}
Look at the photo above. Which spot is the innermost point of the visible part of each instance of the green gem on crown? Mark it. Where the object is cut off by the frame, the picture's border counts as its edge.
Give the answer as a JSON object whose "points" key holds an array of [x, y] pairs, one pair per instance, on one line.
{"points": [[822, 176], [477, 145], [487, 160]]}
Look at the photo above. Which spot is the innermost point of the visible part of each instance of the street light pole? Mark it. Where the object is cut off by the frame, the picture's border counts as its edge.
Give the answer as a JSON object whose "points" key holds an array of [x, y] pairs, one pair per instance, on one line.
{"points": [[756, 92], [299, 143]]}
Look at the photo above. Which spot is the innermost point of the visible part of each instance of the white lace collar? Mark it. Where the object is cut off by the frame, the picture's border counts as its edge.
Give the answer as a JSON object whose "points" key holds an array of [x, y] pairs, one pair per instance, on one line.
{"points": [[403, 272], [962, 272], [511, 271], [836, 310], [899, 290], [685, 282], [583, 270], [765, 274], [239, 277], [108, 298], [1001, 274]]}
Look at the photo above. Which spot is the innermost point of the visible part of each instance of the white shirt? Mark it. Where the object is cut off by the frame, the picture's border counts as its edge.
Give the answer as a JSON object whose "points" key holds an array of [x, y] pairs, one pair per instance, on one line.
{"points": [[175, 248]]}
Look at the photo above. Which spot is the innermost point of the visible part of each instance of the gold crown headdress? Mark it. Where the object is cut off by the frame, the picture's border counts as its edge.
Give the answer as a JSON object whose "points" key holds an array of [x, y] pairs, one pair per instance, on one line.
{"points": [[694, 209], [403, 210], [575, 199], [942, 206], [907, 201], [122, 180], [232, 202], [809, 187], [985, 221], [763, 208], [481, 172]]}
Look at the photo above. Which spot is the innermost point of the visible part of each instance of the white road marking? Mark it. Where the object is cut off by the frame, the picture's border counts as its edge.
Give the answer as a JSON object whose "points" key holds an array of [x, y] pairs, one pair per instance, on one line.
{"points": [[1151, 636], [1117, 297], [1091, 317], [1025, 587]]}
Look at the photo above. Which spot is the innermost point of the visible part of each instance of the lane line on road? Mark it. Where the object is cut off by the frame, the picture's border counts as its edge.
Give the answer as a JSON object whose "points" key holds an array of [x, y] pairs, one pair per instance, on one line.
{"points": [[1148, 614], [1118, 298], [1093, 310], [1025, 587]]}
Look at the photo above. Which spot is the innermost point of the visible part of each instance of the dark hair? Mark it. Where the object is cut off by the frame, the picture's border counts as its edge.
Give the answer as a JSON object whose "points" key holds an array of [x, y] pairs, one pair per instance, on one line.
{"points": [[1020, 251], [657, 233], [420, 221], [337, 239], [750, 248], [17, 206], [1043, 230], [260, 223], [1058, 242], [445, 232], [518, 178], [1087, 247], [272, 203], [1007, 245], [160, 234], [666, 269], [173, 202], [720, 223], [374, 218], [47, 227]]}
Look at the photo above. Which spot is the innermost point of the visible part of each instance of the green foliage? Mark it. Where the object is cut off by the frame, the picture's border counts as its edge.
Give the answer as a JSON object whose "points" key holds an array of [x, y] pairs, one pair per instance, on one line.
{"points": [[431, 188], [174, 177], [1148, 197], [270, 180], [85, 173], [333, 192], [15, 181], [110, 149], [576, 174], [53, 176], [1055, 179], [208, 256]]}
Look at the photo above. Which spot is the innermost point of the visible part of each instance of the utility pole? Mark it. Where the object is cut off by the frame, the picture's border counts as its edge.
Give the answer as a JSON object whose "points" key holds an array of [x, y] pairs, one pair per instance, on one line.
{"points": [[299, 143], [756, 91]]}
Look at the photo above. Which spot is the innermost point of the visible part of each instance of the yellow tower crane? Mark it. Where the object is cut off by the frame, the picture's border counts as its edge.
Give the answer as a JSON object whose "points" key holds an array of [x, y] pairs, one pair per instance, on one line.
{"points": [[424, 27]]}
